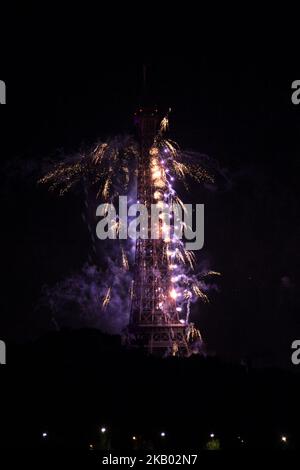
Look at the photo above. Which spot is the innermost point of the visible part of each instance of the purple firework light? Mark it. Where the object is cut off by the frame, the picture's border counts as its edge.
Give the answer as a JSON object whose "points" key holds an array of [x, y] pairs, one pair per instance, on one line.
{"points": [[102, 298]]}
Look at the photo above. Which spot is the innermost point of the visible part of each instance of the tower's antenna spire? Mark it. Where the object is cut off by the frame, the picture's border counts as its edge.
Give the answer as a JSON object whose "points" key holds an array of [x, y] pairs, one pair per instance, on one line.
{"points": [[144, 79], [154, 318]]}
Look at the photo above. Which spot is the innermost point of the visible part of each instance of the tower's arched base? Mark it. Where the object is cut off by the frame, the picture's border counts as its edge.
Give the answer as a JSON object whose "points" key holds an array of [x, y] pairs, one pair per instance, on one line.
{"points": [[159, 340]]}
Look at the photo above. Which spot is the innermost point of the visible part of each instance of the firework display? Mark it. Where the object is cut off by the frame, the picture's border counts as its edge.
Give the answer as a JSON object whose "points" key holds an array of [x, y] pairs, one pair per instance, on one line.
{"points": [[165, 281], [163, 285]]}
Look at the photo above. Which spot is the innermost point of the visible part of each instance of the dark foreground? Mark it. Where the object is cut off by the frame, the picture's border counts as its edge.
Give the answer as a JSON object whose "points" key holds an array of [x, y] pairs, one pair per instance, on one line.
{"points": [[80, 390]]}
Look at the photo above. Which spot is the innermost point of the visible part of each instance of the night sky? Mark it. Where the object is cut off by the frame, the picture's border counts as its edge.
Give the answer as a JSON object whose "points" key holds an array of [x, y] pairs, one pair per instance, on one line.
{"points": [[229, 103]]}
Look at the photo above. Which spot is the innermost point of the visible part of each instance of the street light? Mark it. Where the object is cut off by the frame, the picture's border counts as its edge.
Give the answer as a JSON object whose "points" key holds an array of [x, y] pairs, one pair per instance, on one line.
{"points": [[212, 435], [44, 435], [284, 439], [103, 430], [162, 434]]}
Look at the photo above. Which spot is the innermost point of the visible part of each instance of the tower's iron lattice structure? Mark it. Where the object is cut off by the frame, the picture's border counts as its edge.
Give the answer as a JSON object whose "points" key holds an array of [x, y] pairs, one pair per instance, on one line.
{"points": [[154, 320]]}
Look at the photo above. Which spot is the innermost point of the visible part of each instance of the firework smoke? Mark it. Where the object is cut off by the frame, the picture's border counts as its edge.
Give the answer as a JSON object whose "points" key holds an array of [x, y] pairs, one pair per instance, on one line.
{"points": [[107, 170], [84, 299]]}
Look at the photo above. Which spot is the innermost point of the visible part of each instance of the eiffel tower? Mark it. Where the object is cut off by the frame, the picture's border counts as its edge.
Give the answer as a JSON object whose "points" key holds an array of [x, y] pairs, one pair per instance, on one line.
{"points": [[154, 321]]}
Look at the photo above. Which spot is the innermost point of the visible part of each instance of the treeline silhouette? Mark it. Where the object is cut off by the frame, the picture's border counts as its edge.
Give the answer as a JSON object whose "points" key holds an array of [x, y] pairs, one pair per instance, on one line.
{"points": [[70, 384]]}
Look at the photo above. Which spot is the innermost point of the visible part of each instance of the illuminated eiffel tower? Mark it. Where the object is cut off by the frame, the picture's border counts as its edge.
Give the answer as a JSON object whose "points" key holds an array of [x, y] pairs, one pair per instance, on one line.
{"points": [[154, 321]]}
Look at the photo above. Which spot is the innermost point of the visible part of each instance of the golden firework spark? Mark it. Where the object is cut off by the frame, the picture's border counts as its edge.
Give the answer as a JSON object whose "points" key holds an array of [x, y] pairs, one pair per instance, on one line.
{"points": [[106, 299], [200, 293], [98, 153], [171, 146], [125, 263], [180, 169], [105, 191], [164, 125], [154, 151], [190, 257]]}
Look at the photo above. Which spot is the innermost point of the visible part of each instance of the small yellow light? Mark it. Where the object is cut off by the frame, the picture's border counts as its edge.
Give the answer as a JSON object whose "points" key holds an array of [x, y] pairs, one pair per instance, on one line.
{"points": [[173, 294], [154, 151], [156, 174]]}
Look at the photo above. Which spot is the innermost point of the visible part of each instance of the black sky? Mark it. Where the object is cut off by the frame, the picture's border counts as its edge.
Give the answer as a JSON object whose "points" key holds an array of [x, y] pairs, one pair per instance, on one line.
{"points": [[66, 87]]}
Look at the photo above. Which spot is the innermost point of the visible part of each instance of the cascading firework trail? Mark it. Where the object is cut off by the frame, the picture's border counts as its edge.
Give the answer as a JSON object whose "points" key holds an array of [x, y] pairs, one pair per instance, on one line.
{"points": [[167, 162], [110, 170]]}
